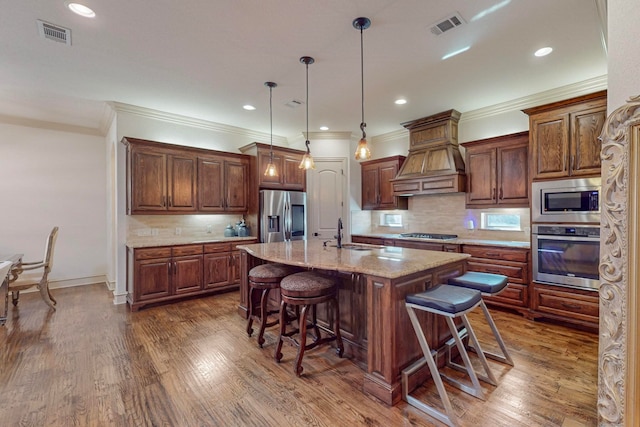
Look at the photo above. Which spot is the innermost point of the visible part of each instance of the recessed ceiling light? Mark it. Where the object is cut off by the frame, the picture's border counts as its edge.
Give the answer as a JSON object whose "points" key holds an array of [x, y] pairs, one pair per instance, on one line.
{"points": [[249, 107], [401, 101], [324, 128], [543, 51], [81, 10]]}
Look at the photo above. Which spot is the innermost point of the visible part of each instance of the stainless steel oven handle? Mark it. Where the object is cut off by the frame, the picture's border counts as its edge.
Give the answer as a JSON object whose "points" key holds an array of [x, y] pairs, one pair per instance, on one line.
{"points": [[569, 238]]}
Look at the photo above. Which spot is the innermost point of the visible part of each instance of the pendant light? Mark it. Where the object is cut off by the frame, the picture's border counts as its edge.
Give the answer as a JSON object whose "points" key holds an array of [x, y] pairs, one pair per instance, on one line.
{"points": [[307, 160], [271, 167], [362, 151]]}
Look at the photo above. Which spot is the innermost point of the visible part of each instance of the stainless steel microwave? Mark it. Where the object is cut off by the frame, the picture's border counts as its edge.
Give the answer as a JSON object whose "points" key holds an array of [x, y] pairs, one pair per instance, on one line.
{"points": [[574, 200]]}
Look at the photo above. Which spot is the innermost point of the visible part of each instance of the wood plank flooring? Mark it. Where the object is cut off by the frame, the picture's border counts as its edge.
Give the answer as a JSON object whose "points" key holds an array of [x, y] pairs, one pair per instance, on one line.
{"points": [[92, 363]]}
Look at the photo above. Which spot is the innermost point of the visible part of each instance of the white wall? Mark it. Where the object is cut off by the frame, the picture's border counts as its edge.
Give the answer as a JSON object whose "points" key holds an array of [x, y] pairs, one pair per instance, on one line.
{"points": [[624, 52], [49, 178]]}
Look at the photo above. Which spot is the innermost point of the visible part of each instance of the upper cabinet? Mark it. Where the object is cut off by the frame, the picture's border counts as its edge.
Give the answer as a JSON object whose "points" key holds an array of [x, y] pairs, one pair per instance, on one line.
{"points": [[377, 189], [166, 178], [290, 176], [497, 171], [564, 137], [222, 184]]}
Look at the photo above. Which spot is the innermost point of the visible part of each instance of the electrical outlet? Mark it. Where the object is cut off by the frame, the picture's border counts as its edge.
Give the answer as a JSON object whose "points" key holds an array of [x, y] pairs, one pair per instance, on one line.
{"points": [[144, 232], [209, 229], [178, 231], [154, 231]]}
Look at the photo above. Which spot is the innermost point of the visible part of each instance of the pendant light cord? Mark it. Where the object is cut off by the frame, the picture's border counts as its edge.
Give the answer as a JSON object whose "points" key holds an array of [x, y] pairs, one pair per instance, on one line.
{"points": [[271, 124], [307, 139], [362, 123]]}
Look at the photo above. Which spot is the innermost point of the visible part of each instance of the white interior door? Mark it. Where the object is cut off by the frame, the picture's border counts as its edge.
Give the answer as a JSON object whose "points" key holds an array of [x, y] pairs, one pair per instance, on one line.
{"points": [[326, 185]]}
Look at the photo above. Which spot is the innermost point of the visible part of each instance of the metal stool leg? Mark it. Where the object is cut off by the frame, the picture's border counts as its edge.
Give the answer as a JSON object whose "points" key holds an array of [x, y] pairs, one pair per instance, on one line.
{"points": [[505, 357], [446, 417]]}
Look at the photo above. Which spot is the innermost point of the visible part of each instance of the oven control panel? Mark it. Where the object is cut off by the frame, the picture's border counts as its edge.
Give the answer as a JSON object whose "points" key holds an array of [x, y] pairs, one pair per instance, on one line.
{"points": [[564, 230]]}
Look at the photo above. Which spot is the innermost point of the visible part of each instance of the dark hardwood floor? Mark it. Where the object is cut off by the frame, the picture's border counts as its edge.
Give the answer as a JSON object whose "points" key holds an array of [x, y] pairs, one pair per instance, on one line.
{"points": [[92, 363]]}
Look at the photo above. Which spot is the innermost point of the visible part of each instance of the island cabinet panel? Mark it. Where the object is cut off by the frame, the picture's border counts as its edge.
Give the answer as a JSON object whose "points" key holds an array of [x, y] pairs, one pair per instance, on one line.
{"points": [[377, 189], [564, 137], [497, 171], [510, 262]]}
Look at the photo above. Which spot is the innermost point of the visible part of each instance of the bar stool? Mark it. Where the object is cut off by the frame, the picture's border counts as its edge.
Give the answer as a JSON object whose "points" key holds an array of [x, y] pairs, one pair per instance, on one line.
{"points": [[488, 284], [307, 289], [264, 278], [450, 302]]}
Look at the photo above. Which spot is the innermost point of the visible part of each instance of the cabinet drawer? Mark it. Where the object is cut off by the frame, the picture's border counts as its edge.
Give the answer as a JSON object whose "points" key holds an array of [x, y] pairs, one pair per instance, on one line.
{"points": [[367, 240], [514, 271], [492, 252], [211, 248], [582, 306], [187, 250], [151, 253], [514, 294], [419, 245]]}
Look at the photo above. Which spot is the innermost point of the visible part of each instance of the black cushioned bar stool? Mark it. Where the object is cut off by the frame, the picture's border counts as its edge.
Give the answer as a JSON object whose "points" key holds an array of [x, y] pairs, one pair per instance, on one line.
{"points": [[450, 302], [306, 289], [264, 278], [488, 284]]}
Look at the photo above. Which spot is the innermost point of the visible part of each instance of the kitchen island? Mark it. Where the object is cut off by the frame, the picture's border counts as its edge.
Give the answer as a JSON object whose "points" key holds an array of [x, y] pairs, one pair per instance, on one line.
{"points": [[374, 281]]}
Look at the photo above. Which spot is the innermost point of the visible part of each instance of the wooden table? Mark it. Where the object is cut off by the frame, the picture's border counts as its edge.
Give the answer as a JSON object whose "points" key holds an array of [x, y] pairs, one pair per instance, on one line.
{"points": [[16, 260], [374, 282]]}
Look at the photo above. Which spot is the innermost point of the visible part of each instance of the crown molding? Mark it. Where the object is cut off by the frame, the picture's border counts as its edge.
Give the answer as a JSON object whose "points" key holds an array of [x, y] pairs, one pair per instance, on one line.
{"points": [[193, 122], [558, 94], [391, 136]]}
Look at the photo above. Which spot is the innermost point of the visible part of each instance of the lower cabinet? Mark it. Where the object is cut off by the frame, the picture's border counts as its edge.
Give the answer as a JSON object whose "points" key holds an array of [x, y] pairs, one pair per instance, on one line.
{"points": [[511, 262], [164, 274], [576, 306]]}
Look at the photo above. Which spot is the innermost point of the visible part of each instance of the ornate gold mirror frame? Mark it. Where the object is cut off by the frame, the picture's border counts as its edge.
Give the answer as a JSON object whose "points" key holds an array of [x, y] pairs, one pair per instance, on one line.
{"points": [[619, 357]]}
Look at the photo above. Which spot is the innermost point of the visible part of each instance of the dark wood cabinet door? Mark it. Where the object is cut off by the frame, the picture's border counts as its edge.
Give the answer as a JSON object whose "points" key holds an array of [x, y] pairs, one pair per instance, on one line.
{"points": [[187, 274], [152, 279], [181, 183], [210, 185], [216, 270], [481, 176], [513, 176], [236, 179], [370, 187], [388, 171], [585, 145], [294, 178], [148, 181], [550, 146]]}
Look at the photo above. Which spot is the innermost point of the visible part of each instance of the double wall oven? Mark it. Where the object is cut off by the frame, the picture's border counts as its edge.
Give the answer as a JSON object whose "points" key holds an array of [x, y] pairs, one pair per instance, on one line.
{"points": [[565, 242]]}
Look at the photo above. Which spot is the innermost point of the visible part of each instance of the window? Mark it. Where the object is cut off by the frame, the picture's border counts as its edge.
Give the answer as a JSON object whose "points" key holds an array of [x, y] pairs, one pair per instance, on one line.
{"points": [[500, 221], [391, 220]]}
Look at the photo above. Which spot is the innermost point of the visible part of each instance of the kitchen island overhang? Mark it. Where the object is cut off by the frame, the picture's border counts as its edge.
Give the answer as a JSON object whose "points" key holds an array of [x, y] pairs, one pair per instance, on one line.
{"points": [[374, 281]]}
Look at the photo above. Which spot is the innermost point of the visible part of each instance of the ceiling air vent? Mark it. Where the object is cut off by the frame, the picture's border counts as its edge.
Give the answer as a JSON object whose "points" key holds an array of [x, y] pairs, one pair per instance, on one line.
{"points": [[452, 21], [54, 32]]}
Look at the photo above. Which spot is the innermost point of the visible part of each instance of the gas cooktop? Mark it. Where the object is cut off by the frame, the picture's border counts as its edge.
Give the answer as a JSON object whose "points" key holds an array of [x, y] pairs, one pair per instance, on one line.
{"points": [[430, 236]]}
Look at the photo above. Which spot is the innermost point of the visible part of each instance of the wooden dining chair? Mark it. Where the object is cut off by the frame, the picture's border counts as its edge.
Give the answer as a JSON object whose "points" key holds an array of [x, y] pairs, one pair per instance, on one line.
{"points": [[40, 280]]}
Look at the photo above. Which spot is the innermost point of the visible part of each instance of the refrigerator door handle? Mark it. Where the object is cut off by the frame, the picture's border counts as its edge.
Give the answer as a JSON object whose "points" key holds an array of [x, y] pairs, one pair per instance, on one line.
{"points": [[287, 217]]}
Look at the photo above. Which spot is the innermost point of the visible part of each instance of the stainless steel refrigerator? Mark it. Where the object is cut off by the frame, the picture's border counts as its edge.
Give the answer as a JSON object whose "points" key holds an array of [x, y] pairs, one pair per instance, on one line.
{"points": [[283, 216]]}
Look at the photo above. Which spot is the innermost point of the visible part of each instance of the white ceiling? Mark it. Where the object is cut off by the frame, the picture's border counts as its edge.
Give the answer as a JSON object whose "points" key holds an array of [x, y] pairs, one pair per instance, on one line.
{"points": [[207, 58]]}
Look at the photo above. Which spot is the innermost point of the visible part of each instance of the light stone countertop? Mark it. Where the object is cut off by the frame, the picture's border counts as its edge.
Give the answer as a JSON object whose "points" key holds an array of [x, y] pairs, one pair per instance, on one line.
{"points": [[457, 241], [150, 242], [382, 261]]}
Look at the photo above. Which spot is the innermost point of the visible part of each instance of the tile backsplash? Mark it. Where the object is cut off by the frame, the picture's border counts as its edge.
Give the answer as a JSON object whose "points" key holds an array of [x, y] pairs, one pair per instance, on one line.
{"points": [[196, 226], [441, 214]]}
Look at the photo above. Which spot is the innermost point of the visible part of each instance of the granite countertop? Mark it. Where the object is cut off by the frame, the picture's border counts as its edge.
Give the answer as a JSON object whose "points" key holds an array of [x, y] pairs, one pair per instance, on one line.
{"points": [[382, 261], [147, 242], [457, 241]]}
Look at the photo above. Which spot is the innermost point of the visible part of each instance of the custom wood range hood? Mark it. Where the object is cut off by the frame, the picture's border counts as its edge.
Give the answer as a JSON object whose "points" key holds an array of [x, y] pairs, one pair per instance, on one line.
{"points": [[434, 164]]}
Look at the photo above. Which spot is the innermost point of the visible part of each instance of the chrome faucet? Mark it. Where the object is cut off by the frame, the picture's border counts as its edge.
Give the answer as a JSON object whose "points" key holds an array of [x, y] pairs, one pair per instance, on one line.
{"points": [[339, 235]]}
